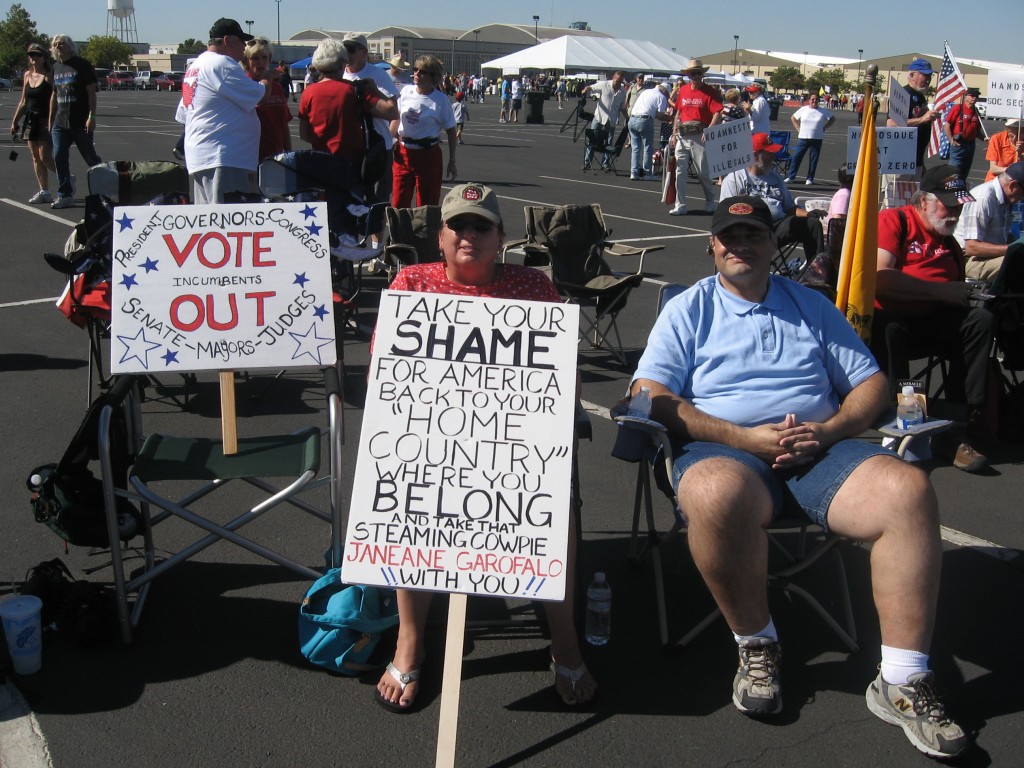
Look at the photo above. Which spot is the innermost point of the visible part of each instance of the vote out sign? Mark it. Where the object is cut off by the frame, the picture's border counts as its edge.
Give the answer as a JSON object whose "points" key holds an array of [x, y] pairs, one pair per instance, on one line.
{"points": [[462, 481], [219, 287]]}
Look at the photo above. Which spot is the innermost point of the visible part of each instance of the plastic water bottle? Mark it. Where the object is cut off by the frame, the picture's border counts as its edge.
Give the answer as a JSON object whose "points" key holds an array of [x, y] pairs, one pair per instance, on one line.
{"points": [[599, 611], [908, 409], [640, 404]]}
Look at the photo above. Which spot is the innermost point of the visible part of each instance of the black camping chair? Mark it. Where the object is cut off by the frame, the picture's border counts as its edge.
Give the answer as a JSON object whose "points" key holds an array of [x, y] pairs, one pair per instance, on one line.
{"points": [[412, 238]]}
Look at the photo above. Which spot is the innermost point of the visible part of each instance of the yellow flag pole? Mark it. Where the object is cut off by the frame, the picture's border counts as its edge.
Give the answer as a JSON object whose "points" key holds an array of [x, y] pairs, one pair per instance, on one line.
{"points": [[855, 294]]}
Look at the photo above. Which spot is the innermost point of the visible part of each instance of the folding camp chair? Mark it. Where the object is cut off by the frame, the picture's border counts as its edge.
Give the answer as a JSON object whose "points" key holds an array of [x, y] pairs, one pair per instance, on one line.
{"points": [[412, 238], [647, 444], [573, 241], [783, 158], [307, 175], [605, 154], [163, 463], [786, 262], [88, 252]]}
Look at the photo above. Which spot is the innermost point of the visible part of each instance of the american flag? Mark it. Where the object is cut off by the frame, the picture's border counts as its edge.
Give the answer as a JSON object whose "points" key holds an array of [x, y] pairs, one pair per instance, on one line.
{"points": [[951, 87]]}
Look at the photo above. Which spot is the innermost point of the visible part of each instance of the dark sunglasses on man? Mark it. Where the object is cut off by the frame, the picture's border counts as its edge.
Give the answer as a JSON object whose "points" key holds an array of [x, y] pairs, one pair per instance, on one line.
{"points": [[477, 225]]}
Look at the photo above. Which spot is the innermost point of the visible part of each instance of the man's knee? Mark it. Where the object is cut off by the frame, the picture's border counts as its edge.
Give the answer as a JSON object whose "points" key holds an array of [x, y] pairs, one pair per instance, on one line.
{"points": [[723, 493], [886, 495]]}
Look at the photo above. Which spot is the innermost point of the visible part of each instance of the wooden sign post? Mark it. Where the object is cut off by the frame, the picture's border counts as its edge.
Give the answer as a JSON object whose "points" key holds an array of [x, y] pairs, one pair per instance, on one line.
{"points": [[462, 482], [223, 288]]}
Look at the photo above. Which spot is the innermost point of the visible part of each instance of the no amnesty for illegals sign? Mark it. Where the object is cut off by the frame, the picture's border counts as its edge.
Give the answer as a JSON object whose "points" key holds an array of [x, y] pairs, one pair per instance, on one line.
{"points": [[220, 287], [462, 483]]}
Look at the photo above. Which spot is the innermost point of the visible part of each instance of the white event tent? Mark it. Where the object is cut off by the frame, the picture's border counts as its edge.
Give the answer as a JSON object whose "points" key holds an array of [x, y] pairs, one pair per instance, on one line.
{"points": [[572, 54]]}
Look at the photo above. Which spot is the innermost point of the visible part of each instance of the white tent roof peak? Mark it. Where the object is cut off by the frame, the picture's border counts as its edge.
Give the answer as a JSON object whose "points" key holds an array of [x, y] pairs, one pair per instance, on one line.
{"points": [[572, 52]]}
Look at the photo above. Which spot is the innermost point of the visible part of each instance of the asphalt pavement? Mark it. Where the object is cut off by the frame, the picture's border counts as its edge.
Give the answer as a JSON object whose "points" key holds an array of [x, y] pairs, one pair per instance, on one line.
{"points": [[215, 677]]}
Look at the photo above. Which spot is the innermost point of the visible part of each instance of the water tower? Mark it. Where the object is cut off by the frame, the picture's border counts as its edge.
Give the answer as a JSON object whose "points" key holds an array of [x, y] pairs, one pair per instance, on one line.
{"points": [[121, 20]]}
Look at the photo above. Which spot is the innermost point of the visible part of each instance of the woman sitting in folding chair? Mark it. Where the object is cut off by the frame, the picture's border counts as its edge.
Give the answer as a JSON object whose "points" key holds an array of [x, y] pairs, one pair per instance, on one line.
{"points": [[470, 240]]}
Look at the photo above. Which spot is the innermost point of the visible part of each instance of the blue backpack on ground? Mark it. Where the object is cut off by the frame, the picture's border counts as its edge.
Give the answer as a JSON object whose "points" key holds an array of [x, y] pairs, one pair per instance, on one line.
{"points": [[340, 624]]}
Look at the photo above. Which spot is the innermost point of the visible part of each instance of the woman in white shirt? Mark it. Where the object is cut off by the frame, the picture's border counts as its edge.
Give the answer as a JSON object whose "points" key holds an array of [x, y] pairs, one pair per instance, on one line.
{"points": [[423, 113], [811, 122]]}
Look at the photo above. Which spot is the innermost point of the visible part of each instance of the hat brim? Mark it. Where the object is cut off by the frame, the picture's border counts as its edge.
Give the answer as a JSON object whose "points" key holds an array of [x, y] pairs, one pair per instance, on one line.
{"points": [[773, 148], [752, 221], [694, 71], [953, 199]]}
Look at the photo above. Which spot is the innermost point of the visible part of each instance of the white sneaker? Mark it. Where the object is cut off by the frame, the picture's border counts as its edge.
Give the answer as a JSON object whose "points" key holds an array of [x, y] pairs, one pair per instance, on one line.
{"points": [[809, 182], [63, 201], [42, 196], [678, 210]]}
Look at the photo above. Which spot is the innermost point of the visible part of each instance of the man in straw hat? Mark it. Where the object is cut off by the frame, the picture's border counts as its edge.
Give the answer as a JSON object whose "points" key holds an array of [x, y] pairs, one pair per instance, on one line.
{"points": [[397, 70], [697, 107], [1005, 148]]}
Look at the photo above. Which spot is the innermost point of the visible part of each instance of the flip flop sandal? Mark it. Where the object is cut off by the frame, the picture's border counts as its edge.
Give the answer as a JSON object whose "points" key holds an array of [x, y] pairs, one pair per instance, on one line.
{"points": [[573, 676], [403, 678]]}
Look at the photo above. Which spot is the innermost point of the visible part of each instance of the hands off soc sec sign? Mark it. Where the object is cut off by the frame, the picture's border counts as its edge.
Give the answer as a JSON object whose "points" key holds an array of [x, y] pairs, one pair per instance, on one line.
{"points": [[217, 287]]}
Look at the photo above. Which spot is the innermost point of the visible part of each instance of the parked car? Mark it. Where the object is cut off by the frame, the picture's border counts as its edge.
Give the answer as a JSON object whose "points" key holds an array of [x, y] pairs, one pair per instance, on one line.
{"points": [[6, 83], [981, 106], [169, 81], [145, 79], [101, 78], [119, 80]]}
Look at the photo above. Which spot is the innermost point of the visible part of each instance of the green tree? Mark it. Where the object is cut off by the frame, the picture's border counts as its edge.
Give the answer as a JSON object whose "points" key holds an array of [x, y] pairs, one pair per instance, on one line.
{"points": [[17, 30], [787, 79], [833, 78], [191, 46], [106, 51]]}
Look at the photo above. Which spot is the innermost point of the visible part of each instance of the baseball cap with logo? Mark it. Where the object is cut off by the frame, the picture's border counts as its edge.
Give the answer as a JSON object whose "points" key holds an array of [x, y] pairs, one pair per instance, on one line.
{"points": [[763, 143], [741, 210], [472, 199], [946, 184], [224, 27]]}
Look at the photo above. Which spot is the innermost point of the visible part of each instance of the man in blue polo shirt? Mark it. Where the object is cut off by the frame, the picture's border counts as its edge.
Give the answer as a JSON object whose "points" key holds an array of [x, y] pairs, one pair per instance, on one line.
{"points": [[748, 371]]}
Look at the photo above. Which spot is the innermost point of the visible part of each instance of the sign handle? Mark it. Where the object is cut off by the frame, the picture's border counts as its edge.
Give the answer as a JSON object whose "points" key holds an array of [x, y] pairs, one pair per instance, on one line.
{"points": [[451, 684], [228, 427]]}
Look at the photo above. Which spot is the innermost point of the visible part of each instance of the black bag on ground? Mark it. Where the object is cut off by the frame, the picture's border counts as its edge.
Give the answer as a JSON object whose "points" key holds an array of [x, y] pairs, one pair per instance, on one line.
{"points": [[76, 608], [68, 497]]}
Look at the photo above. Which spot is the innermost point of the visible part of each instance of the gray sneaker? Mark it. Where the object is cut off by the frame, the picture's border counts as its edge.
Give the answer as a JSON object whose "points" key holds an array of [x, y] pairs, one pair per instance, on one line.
{"points": [[916, 708], [756, 690], [42, 196], [63, 201]]}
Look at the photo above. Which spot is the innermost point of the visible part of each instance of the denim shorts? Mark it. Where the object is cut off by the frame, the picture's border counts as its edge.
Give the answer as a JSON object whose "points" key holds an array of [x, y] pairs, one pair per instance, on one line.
{"points": [[811, 488]]}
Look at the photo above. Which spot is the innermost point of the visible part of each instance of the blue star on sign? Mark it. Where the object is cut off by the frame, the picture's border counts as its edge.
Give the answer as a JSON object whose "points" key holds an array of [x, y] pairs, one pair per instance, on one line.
{"points": [[149, 265], [170, 356], [125, 222], [128, 281], [320, 312], [138, 347], [309, 343], [309, 212], [314, 229], [301, 279]]}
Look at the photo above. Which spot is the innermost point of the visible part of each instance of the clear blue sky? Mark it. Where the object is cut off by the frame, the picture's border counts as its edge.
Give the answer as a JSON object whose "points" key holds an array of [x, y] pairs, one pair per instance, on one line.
{"points": [[831, 27]]}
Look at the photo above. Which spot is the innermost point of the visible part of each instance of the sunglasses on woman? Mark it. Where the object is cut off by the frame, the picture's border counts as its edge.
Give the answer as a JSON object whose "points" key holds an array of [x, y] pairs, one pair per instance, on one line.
{"points": [[35, 55], [477, 225]]}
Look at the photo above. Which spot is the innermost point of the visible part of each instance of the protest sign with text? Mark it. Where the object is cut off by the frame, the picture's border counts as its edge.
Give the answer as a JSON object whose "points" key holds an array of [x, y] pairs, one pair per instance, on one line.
{"points": [[729, 147], [897, 149], [218, 287], [899, 103], [462, 481], [1005, 93]]}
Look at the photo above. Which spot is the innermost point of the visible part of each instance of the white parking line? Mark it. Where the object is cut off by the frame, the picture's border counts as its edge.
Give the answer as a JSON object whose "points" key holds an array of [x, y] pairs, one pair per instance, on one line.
{"points": [[51, 300], [38, 211]]}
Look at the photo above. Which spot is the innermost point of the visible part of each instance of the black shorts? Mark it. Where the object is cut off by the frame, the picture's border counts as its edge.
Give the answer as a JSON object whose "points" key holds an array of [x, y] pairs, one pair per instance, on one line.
{"points": [[517, 104], [38, 128]]}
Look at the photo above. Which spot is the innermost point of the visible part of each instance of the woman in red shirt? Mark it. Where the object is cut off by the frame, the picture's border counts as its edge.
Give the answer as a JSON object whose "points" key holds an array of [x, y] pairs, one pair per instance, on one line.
{"points": [[470, 240]]}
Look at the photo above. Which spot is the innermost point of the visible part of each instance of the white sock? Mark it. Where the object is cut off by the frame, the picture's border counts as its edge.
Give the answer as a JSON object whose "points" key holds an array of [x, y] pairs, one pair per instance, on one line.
{"points": [[899, 664], [765, 636]]}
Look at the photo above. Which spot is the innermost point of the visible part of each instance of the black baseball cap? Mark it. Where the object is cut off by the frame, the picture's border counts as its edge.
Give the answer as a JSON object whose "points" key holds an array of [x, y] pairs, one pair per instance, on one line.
{"points": [[224, 27], [945, 183], [743, 209]]}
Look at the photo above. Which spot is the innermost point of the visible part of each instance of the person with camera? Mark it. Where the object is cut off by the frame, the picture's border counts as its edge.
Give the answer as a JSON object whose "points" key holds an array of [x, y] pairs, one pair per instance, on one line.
{"points": [[35, 108]]}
